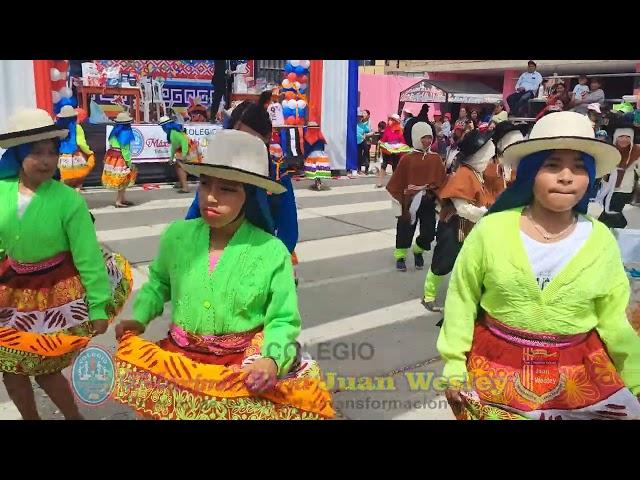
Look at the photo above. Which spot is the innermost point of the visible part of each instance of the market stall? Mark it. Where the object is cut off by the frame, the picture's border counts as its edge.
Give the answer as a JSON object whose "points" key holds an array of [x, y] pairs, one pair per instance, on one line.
{"points": [[446, 92]]}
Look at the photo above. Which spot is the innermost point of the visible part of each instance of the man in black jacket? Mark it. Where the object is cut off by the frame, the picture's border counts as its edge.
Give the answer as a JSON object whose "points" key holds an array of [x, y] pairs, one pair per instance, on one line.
{"points": [[423, 116]]}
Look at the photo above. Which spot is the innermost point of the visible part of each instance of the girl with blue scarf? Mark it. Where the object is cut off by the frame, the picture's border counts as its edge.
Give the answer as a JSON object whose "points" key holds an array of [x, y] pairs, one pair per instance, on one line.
{"points": [[183, 147], [57, 290], [119, 172], [76, 158], [254, 119], [535, 317]]}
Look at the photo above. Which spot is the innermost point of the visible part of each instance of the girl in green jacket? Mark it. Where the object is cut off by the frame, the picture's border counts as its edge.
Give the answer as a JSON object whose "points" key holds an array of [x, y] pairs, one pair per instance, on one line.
{"points": [[55, 292], [535, 324], [183, 147], [231, 352]]}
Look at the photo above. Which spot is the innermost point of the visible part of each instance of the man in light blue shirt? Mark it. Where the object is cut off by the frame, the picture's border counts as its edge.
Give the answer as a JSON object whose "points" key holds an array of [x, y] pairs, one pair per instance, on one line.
{"points": [[526, 89]]}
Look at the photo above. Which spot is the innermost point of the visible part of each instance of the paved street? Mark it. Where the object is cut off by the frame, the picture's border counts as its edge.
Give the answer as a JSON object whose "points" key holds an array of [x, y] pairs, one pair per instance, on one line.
{"points": [[361, 318]]}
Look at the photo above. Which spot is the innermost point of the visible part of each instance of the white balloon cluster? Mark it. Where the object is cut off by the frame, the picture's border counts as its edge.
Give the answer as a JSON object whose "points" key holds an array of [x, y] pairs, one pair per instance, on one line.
{"points": [[64, 92]]}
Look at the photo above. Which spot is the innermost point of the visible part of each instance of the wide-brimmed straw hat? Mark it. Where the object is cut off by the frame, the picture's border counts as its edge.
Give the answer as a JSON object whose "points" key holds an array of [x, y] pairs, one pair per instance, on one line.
{"points": [[28, 126], [564, 131], [123, 118], [236, 156], [164, 120], [67, 112]]}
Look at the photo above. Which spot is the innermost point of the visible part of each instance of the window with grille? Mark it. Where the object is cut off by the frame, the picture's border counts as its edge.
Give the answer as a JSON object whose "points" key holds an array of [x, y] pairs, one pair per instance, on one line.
{"points": [[270, 70]]}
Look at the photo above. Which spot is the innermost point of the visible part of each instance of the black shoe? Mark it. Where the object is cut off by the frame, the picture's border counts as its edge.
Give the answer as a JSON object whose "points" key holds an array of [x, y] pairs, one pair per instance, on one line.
{"points": [[431, 306], [419, 261], [439, 324], [401, 265]]}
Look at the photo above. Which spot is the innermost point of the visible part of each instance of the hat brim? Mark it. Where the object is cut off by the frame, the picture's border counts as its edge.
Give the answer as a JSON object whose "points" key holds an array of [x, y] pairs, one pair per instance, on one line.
{"points": [[607, 157], [74, 114], [233, 174], [126, 122], [13, 139]]}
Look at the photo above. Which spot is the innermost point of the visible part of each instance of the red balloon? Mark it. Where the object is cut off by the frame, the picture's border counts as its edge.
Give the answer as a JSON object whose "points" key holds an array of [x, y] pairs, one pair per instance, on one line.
{"points": [[291, 120], [303, 79], [292, 77], [64, 65], [300, 120]]}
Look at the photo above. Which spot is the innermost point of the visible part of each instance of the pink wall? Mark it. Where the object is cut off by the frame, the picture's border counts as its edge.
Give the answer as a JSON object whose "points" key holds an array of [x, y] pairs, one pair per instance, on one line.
{"points": [[509, 84], [380, 93]]}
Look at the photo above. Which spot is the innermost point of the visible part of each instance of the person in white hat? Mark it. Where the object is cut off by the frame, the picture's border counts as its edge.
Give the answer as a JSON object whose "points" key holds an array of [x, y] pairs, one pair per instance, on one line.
{"points": [[626, 178], [406, 116], [535, 324], [413, 185], [231, 351], [464, 199], [119, 173], [76, 157], [55, 291], [182, 147], [496, 176]]}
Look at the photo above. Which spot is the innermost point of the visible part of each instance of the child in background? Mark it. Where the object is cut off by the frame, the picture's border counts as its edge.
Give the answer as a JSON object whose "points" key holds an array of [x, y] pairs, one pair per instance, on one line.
{"points": [[581, 89]]}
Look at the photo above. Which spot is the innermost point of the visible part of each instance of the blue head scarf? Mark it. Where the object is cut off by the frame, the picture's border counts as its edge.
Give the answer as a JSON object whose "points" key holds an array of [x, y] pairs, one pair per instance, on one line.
{"points": [[69, 144], [167, 127], [11, 161], [123, 133], [521, 192]]}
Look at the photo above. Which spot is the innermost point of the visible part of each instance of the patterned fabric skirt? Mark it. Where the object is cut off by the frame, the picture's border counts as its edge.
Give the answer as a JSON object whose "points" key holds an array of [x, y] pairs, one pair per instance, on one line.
{"points": [[193, 155], [117, 175], [518, 375], [317, 165], [75, 167], [198, 377], [44, 319]]}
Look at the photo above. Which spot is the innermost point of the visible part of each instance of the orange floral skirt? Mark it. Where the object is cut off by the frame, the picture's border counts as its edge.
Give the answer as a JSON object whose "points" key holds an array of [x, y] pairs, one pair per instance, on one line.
{"points": [[117, 174], [193, 380], [44, 318], [75, 167], [517, 375]]}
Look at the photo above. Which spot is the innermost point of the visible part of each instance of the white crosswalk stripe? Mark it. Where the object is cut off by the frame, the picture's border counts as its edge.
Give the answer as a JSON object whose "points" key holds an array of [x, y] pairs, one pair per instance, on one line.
{"points": [[186, 201], [154, 230]]}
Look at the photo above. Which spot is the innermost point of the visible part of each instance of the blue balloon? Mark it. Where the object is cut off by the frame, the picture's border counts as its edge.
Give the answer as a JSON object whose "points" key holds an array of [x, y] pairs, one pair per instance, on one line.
{"points": [[288, 67], [287, 112], [302, 112], [300, 70]]}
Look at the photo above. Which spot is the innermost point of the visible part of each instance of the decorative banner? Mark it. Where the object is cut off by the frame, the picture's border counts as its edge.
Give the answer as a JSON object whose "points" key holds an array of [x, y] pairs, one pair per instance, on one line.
{"points": [[192, 69], [150, 142]]}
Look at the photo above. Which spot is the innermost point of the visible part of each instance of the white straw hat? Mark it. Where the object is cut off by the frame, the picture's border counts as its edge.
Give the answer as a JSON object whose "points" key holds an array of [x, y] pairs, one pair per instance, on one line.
{"points": [[124, 117], [564, 131], [237, 156], [28, 126], [164, 120], [67, 112]]}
